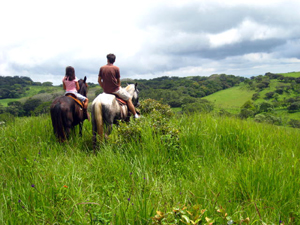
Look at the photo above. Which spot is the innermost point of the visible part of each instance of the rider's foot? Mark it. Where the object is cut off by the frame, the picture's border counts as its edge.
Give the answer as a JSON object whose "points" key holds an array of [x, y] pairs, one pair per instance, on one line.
{"points": [[136, 116]]}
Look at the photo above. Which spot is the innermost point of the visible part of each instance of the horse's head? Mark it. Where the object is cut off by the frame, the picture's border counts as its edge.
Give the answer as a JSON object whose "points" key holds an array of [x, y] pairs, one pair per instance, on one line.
{"points": [[83, 87], [135, 94]]}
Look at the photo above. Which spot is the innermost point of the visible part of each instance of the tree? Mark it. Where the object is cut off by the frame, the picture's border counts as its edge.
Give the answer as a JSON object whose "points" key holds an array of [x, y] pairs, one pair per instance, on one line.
{"points": [[265, 107], [247, 110], [47, 84], [269, 95], [255, 96], [30, 105], [295, 106], [15, 108]]}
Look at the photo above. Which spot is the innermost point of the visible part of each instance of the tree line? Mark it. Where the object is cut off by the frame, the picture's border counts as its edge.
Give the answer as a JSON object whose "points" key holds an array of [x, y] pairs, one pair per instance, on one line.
{"points": [[16, 86]]}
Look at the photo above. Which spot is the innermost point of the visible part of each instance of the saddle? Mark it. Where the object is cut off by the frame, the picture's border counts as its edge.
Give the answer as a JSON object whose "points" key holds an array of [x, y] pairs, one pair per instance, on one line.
{"points": [[120, 101], [123, 103], [70, 95]]}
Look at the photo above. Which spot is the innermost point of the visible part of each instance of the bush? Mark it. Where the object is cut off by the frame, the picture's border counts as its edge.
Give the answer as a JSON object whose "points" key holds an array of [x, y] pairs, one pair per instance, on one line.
{"points": [[30, 105], [150, 106], [159, 115], [42, 108], [6, 118], [255, 96], [294, 123], [295, 106], [245, 113], [201, 105], [267, 118], [269, 95], [265, 107]]}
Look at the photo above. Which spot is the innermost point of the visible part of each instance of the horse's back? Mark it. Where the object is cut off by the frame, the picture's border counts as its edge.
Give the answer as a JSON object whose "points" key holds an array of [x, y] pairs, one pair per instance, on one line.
{"points": [[104, 99]]}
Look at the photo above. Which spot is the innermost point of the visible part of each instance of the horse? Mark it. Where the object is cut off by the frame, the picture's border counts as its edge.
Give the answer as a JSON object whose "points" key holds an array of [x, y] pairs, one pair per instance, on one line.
{"points": [[106, 111], [66, 113]]}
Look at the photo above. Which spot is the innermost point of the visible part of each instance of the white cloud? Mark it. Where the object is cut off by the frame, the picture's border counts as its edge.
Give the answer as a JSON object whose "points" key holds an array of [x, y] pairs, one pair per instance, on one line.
{"points": [[150, 38]]}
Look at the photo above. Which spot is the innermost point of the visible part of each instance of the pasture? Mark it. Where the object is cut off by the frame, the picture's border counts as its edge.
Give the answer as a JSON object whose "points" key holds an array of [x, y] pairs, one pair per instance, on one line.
{"points": [[231, 99], [224, 165]]}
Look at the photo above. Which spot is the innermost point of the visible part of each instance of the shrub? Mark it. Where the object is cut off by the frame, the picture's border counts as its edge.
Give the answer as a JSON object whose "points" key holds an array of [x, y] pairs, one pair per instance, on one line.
{"points": [[150, 106], [42, 108], [295, 106], [294, 123], [6, 118], [265, 107], [255, 96], [269, 95], [245, 113], [201, 105], [30, 105], [159, 115], [268, 118]]}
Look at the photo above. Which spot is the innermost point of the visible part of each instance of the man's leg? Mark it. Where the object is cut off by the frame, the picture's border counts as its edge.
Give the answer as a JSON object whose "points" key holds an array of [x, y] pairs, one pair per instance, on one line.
{"points": [[132, 108]]}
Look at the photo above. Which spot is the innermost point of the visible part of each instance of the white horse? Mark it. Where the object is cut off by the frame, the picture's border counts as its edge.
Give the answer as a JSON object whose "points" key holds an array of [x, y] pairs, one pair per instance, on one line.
{"points": [[107, 110]]}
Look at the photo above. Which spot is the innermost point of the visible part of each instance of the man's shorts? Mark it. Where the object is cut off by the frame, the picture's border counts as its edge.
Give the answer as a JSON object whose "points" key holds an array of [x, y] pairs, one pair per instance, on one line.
{"points": [[123, 94]]}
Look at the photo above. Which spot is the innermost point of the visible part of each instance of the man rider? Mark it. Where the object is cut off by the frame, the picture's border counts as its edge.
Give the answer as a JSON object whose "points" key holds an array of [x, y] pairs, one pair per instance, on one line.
{"points": [[109, 80]]}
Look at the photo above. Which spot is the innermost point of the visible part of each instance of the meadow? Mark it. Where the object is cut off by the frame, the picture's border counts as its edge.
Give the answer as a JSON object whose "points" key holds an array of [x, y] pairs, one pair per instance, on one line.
{"points": [[215, 170]]}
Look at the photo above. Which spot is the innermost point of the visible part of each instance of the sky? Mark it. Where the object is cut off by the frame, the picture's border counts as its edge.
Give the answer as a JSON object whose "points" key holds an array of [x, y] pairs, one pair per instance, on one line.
{"points": [[150, 38]]}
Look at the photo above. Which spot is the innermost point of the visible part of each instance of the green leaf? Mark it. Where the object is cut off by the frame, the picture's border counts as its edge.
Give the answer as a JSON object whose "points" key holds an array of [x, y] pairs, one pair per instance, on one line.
{"points": [[186, 218]]}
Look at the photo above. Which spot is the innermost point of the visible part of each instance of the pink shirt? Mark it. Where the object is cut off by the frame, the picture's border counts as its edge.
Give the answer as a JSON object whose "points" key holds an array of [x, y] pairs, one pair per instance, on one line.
{"points": [[70, 85]]}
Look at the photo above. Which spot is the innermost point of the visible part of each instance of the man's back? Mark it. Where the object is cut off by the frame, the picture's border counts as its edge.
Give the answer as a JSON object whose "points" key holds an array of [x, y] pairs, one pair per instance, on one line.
{"points": [[110, 75]]}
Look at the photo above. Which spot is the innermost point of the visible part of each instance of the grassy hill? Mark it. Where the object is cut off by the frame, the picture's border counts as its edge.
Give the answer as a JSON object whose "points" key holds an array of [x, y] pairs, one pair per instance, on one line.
{"points": [[33, 91], [232, 99], [214, 166]]}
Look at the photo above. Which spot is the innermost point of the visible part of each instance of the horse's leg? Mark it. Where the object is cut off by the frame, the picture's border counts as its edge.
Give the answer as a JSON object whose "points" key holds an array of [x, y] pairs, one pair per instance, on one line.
{"points": [[108, 130], [80, 129]]}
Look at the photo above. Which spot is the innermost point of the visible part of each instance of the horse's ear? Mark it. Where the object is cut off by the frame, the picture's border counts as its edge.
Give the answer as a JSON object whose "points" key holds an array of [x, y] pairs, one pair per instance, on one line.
{"points": [[135, 85], [84, 80]]}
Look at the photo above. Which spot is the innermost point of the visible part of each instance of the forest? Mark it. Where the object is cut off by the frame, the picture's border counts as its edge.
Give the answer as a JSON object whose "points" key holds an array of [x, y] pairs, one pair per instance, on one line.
{"points": [[174, 91], [272, 94]]}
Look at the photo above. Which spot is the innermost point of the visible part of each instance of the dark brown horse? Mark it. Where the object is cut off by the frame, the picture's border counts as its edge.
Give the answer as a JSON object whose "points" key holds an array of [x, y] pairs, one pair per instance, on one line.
{"points": [[66, 114]]}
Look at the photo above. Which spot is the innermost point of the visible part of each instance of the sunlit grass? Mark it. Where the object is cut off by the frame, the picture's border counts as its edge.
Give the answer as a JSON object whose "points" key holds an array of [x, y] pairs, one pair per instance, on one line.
{"points": [[250, 169]]}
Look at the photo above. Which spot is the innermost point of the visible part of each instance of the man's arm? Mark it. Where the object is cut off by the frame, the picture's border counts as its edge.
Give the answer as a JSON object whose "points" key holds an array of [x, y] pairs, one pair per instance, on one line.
{"points": [[100, 81], [119, 82]]}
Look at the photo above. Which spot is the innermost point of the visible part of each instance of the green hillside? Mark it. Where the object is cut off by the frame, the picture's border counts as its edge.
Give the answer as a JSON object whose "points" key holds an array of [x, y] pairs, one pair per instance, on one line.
{"points": [[213, 168], [291, 74], [231, 99], [280, 91]]}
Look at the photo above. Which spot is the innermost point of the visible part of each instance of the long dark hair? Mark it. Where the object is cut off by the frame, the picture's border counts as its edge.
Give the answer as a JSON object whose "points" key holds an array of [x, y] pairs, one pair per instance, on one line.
{"points": [[70, 73]]}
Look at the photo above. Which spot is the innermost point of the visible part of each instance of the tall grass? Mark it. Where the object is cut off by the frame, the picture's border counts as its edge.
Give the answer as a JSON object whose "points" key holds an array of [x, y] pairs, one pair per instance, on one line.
{"points": [[250, 169]]}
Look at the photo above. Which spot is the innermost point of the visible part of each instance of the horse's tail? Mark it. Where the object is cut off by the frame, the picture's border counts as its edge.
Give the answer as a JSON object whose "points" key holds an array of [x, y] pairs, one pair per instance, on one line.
{"points": [[57, 122], [97, 120]]}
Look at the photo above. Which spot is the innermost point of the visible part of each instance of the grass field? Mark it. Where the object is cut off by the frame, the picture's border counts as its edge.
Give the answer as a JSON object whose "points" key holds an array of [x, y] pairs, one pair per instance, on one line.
{"points": [[291, 74], [231, 99], [244, 169], [34, 90]]}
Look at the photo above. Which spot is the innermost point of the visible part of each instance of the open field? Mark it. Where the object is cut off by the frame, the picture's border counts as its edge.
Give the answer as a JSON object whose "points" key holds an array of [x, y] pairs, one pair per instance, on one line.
{"points": [[244, 168], [231, 99], [34, 90]]}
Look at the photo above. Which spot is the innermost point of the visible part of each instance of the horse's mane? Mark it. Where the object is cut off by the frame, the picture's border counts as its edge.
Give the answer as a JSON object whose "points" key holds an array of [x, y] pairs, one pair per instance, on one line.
{"points": [[130, 88]]}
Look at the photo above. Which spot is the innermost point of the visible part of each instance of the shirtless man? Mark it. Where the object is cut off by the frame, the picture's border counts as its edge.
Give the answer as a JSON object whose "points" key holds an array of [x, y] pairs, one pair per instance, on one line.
{"points": [[109, 80]]}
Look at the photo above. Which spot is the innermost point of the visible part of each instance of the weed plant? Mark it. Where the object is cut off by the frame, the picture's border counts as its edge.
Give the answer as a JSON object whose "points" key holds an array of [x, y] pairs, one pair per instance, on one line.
{"points": [[198, 163]]}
